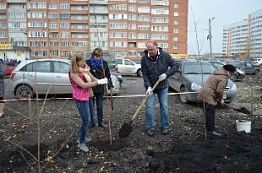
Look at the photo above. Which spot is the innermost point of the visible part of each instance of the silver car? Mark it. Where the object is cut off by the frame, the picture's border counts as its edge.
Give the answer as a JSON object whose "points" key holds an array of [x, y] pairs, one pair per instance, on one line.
{"points": [[40, 76]]}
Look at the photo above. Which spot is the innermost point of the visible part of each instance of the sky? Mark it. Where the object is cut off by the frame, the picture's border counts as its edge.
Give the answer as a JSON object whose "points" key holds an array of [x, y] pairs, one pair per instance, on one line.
{"points": [[225, 12]]}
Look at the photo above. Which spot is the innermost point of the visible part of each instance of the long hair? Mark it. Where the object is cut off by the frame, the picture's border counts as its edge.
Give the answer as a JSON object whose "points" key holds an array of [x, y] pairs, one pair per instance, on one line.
{"points": [[75, 58]]}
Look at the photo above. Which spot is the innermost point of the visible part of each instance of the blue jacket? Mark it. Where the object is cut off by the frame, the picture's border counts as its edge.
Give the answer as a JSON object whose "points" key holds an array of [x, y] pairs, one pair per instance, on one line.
{"points": [[152, 69]]}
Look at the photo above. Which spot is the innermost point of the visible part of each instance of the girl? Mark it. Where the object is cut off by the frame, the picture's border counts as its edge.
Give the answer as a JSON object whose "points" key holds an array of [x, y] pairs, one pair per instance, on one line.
{"points": [[81, 94]]}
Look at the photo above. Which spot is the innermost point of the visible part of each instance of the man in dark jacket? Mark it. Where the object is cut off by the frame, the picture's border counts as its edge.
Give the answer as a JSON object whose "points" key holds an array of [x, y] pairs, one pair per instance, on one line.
{"points": [[212, 93], [157, 64], [99, 69]]}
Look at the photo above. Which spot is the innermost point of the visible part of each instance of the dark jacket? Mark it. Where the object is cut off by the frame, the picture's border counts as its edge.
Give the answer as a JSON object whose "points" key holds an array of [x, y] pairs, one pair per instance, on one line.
{"points": [[99, 73], [152, 69], [213, 90]]}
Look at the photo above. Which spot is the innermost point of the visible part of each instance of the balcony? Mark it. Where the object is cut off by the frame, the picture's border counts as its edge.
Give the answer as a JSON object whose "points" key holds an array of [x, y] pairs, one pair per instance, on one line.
{"points": [[16, 1], [98, 2]]}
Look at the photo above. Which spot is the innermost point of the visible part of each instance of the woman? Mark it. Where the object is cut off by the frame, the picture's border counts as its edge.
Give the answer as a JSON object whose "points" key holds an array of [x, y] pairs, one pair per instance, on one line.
{"points": [[99, 70], [81, 94], [212, 93]]}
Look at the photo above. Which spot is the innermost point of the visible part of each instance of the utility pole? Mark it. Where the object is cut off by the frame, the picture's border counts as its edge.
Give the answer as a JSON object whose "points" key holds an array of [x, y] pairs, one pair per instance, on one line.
{"points": [[209, 37]]}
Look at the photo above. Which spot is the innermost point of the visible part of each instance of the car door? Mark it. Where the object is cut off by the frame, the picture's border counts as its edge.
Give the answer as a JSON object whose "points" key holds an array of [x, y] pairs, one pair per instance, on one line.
{"points": [[250, 68], [62, 83], [130, 66], [42, 77]]}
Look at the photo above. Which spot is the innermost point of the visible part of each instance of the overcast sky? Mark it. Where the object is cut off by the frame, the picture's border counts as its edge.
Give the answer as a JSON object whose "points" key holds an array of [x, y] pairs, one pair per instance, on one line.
{"points": [[225, 12]]}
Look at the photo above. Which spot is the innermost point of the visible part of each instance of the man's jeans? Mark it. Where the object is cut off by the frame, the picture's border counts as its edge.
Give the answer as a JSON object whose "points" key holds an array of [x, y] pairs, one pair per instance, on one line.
{"points": [[150, 113], [98, 100], [83, 108]]}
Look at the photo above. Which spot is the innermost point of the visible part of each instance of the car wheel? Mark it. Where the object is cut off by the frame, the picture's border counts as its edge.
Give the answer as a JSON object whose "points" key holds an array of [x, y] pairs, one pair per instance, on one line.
{"points": [[139, 73], [183, 97], [24, 91]]}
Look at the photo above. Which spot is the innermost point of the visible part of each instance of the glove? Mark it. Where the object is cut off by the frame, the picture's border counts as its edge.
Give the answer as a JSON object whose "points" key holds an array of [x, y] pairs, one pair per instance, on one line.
{"points": [[162, 77], [149, 91], [102, 81]]}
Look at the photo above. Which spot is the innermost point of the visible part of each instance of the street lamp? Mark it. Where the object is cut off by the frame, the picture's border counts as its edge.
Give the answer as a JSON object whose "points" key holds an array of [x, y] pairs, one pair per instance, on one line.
{"points": [[209, 37]]}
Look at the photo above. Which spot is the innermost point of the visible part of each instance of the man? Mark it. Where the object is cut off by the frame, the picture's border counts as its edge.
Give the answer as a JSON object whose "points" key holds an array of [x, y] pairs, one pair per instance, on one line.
{"points": [[212, 93], [99, 69], [157, 64]]}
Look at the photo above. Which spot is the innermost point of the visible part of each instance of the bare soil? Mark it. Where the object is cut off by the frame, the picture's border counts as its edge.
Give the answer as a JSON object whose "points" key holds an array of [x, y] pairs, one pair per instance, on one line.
{"points": [[185, 149]]}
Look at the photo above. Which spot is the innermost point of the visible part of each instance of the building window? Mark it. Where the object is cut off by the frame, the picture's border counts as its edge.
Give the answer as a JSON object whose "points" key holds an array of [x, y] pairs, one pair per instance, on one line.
{"points": [[132, 8], [64, 16], [160, 2], [64, 6], [143, 10], [53, 6], [160, 11], [176, 5], [176, 14]]}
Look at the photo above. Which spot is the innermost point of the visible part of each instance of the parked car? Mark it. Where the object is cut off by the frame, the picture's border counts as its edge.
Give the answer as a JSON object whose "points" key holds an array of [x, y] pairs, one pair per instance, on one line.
{"points": [[238, 74], [246, 66], [128, 67], [257, 62], [43, 75], [192, 76]]}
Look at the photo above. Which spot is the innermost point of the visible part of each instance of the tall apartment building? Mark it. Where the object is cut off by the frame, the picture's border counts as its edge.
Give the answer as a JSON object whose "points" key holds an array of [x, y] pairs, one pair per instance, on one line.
{"points": [[244, 38], [55, 28]]}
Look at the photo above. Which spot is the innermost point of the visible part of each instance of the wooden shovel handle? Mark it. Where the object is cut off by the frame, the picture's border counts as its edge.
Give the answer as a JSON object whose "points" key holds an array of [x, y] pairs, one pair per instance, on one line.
{"points": [[144, 100]]}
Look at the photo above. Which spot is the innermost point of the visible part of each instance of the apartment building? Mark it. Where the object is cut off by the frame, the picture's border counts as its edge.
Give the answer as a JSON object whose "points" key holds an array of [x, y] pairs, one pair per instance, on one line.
{"points": [[244, 38], [55, 28]]}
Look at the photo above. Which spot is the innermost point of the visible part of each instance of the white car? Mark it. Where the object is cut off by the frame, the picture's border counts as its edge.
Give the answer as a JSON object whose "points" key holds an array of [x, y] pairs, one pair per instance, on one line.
{"points": [[45, 75], [128, 67], [257, 62]]}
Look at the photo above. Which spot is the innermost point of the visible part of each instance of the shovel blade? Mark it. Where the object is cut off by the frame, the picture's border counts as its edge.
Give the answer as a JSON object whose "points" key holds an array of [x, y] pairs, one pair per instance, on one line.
{"points": [[125, 130], [244, 110]]}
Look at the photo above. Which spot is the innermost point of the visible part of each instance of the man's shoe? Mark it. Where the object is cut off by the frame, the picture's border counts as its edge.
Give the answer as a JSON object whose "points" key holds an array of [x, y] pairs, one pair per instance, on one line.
{"points": [[165, 131], [150, 132], [83, 147], [87, 140], [215, 133]]}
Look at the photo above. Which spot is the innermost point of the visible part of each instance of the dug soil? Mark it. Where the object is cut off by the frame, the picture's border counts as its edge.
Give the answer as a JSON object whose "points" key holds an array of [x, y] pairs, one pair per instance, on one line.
{"points": [[187, 148]]}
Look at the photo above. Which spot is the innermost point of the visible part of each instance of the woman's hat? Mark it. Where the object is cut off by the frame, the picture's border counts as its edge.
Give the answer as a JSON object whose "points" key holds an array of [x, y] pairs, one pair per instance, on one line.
{"points": [[229, 67]]}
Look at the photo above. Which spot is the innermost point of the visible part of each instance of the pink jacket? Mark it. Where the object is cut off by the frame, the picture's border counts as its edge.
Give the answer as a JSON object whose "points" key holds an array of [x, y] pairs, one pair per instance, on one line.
{"points": [[80, 94]]}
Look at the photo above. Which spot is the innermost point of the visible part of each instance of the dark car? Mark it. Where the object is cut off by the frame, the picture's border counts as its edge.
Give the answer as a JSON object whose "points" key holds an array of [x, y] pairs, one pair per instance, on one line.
{"points": [[192, 76], [246, 66], [238, 74]]}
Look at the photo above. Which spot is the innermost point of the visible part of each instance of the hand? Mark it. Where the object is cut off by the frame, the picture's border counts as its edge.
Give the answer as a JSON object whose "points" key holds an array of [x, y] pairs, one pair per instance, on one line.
{"points": [[149, 91], [102, 81], [222, 102], [162, 77]]}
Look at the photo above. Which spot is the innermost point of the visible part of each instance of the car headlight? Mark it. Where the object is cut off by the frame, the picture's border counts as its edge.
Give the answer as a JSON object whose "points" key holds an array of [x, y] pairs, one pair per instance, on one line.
{"points": [[234, 88], [240, 71], [195, 86]]}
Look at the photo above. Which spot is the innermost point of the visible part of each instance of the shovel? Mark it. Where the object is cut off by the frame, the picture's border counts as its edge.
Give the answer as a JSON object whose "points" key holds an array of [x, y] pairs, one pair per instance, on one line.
{"points": [[241, 109], [127, 128]]}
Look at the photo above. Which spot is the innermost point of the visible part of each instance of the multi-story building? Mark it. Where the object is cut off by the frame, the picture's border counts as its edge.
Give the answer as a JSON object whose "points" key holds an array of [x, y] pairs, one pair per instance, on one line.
{"points": [[244, 38], [55, 28]]}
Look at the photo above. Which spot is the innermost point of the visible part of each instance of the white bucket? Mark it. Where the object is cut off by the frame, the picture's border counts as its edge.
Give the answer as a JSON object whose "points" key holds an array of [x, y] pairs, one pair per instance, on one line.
{"points": [[243, 125]]}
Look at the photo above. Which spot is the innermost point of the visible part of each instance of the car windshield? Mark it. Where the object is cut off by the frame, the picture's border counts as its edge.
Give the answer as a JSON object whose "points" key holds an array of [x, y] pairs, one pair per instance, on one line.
{"points": [[197, 68]]}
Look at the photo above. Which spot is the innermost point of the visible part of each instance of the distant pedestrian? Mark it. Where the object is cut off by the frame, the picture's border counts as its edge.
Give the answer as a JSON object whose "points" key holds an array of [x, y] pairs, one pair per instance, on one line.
{"points": [[99, 69], [2, 89], [157, 64], [81, 94], [212, 93]]}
